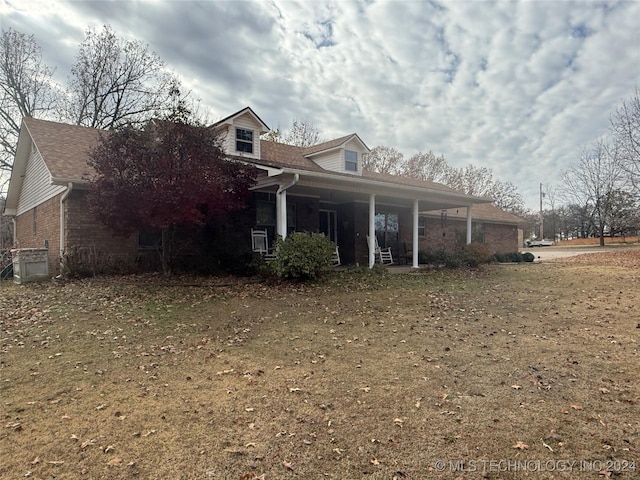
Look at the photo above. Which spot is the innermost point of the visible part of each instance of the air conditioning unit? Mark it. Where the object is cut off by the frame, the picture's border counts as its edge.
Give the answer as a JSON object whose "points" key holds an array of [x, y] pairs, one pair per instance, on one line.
{"points": [[30, 264]]}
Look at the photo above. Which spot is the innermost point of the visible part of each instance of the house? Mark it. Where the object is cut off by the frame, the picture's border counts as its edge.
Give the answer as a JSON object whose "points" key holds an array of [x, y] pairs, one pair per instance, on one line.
{"points": [[322, 188]]}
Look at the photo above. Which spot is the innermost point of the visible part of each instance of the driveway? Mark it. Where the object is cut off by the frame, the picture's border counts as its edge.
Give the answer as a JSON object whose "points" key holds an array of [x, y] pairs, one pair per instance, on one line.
{"points": [[549, 253]]}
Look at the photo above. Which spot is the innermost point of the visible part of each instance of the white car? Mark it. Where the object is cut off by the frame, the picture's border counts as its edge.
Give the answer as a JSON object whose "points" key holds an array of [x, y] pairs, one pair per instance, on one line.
{"points": [[539, 243]]}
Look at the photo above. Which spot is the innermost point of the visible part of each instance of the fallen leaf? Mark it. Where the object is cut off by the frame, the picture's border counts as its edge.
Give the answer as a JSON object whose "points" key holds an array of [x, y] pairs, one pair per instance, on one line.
{"points": [[516, 387], [294, 390], [86, 443], [375, 461], [398, 421], [520, 446], [288, 465], [603, 390], [576, 407]]}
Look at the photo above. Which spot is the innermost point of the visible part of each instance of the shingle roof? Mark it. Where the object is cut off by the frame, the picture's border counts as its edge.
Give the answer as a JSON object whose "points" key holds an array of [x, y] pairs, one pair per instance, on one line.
{"points": [[413, 182], [331, 144], [485, 211], [64, 148], [283, 155]]}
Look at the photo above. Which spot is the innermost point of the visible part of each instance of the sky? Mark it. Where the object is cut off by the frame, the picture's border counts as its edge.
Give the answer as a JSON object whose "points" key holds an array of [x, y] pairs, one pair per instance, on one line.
{"points": [[519, 87]]}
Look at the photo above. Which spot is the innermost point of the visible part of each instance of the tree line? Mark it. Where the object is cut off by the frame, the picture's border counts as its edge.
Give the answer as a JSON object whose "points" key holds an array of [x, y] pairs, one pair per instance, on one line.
{"points": [[113, 82]]}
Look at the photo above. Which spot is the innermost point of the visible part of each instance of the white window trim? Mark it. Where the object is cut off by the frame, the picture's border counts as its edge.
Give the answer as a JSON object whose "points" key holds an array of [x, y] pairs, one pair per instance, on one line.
{"points": [[244, 141], [350, 162]]}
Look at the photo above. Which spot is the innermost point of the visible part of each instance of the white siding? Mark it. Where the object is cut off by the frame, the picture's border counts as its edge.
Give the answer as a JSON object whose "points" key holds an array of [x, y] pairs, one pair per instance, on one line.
{"points": [[36, 186], [246, 122], [334, 160]]}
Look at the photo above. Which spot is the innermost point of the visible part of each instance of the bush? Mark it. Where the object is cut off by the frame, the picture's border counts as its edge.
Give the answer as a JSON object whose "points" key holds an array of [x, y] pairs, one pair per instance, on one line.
{"points": [[303, 255], [475, 254], [471, 255], [528, 257]]}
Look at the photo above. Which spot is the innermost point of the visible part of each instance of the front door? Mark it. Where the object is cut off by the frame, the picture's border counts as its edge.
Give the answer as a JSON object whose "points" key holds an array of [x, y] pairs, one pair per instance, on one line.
{"points": [[328, 224]]}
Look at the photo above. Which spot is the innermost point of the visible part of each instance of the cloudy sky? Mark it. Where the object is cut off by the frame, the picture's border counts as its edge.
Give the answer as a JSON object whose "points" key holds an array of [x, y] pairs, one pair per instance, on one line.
{"points": [[517, 87]]}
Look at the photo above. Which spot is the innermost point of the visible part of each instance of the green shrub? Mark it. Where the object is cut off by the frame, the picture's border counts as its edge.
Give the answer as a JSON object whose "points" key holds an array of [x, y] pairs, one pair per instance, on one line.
{"points": [[303, 255], [528, 257]]}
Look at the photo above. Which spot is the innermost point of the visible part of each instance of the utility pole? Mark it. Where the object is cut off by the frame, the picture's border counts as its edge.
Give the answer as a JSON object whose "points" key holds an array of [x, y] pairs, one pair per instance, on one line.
{"points": [[541, 216]]}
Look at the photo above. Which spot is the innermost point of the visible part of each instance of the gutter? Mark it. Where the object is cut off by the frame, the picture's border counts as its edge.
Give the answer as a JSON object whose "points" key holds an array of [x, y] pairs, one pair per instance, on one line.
{"points": [[63, 199], [284, 188], [466, 200]]}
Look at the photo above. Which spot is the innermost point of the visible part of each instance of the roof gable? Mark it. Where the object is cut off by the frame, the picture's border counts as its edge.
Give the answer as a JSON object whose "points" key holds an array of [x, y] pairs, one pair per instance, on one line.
{"points": [[64, 148], [334, 144], [245, 111]]}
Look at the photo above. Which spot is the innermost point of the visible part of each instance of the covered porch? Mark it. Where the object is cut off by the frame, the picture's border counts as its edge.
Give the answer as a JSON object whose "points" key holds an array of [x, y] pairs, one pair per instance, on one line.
{"points": [[354, 211]]}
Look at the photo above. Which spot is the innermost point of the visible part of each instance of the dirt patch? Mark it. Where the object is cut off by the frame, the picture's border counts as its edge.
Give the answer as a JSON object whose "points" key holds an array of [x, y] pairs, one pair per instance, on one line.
{"points": [[525, 371]]}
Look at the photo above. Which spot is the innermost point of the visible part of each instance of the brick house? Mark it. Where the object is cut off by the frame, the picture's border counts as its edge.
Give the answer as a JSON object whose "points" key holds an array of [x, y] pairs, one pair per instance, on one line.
{"points": [[322, 188]]}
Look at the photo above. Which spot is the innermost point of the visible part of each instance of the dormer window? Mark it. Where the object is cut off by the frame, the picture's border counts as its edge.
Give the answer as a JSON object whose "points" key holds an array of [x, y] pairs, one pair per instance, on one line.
{"points": [[244, 140], [351, 161]]}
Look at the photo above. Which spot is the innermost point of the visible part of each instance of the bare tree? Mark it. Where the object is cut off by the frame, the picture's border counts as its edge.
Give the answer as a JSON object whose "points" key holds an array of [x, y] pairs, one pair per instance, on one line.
{"points": [[383, 159], [26, 89], [303, 133], [593, 181], [116, 82], [273, 136], [471, 180], [426, 166], [625, 125], [506, 197]]}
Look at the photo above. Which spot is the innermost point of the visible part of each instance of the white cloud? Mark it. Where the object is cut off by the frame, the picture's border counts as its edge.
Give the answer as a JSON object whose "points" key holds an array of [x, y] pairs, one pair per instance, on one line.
{"points": [[513, 86]]}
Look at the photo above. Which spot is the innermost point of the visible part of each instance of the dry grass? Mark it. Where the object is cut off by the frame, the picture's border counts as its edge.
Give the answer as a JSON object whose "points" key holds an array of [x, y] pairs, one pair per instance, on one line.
{"points": [[360, 376]]}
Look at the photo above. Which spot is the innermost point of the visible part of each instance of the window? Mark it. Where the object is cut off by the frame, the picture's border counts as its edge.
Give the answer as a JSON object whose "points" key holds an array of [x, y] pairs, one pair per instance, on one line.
{"points": [[150, 239], [266, 217], [422, 226], [244, 140], [351, 160], [387, 230]]}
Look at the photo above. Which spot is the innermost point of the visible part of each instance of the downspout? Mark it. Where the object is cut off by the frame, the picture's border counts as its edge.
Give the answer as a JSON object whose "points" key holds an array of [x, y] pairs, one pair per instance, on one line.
{"points": [[63, 199], [281, 206]]}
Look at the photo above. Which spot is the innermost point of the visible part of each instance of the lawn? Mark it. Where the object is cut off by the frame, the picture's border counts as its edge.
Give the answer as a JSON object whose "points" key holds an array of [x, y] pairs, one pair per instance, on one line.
{"points": [[511, 371]]}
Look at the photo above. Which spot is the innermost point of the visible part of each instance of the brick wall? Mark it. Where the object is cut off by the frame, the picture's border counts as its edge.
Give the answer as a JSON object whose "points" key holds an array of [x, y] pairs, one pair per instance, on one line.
{"points": [[40, 226], [501, 238], [85, 234]]}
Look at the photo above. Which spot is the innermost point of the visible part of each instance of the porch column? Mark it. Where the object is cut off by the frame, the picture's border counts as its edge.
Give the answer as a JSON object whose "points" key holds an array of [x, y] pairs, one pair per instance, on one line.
{"points": [[469, 224], [372, 230], [415, 234], [281, 213]]}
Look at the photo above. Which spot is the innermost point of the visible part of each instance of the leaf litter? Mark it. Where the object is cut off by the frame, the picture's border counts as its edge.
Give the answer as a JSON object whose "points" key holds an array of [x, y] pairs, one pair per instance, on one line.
{"points": [[270, 380]]}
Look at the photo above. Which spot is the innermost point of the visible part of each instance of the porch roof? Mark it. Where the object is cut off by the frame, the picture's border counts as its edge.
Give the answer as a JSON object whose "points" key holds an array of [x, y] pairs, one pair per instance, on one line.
{"points": [[285, 161]]}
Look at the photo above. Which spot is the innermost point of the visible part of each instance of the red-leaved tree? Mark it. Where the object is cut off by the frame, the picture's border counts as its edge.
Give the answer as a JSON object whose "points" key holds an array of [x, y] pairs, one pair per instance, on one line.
{"points": [[165, 176]]}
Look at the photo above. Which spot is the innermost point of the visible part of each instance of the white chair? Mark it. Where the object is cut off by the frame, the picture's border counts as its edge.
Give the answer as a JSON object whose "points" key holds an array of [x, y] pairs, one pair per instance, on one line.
{"points": [[335, 261], [383, 255], [260, 244]]}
